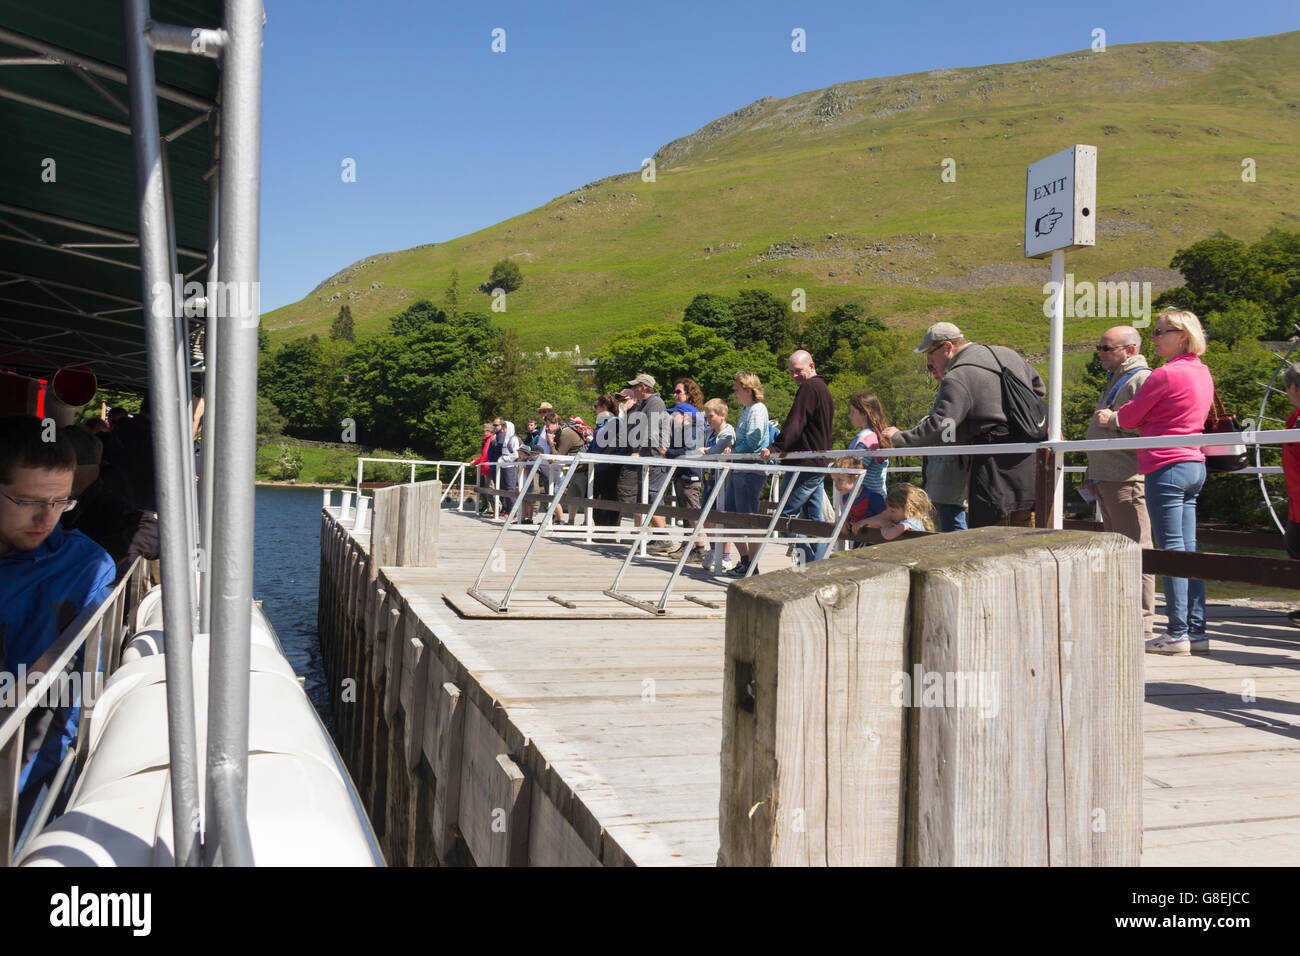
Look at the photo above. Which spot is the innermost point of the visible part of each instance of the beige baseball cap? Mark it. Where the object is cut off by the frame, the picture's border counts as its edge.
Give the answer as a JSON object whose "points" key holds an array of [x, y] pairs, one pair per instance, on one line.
{"points": [[939, 332], [643, 379]]}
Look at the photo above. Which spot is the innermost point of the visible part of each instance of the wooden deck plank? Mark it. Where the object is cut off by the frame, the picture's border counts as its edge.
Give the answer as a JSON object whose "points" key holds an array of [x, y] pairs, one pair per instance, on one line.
{"points": [[1222, 773]]}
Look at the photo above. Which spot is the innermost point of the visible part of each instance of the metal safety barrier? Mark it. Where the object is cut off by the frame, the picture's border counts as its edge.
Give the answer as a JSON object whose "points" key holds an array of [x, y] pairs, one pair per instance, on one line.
{"points": [[734, 531], [101, 631]]}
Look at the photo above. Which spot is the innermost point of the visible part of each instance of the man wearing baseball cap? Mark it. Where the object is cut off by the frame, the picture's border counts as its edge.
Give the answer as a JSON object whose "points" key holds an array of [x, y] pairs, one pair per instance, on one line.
{"points": [[968, 410], [648, 437]]}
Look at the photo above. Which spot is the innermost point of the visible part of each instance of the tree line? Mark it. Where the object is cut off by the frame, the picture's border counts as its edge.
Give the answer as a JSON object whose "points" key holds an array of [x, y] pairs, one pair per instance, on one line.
{"points": [[428, 383]]}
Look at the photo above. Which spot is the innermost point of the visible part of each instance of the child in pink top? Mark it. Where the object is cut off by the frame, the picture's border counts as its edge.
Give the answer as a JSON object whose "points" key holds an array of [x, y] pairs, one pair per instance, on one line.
{"points": [[1174, 400]]}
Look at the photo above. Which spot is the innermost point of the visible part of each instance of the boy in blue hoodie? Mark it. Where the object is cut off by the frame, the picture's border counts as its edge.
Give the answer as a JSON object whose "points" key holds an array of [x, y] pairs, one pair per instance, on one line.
{"points": [[47, 578]]}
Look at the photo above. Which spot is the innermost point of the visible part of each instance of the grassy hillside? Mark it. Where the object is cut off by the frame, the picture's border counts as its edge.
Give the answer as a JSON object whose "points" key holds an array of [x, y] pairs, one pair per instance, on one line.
{"points": [[838, 192]]}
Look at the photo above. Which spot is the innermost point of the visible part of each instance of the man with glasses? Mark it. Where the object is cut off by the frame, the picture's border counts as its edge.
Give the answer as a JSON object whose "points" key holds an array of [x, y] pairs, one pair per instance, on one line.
{"points": [[47, 578], [1113, 475], [968, 410]]}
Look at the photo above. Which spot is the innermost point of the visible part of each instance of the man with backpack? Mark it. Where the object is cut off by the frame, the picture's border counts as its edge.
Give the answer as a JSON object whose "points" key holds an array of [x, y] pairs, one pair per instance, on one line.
{"points": [[987, 395]]}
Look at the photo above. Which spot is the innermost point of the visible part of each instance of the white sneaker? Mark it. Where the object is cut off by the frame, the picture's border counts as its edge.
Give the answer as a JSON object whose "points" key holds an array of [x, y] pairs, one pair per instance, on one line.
{"points": [[1169, 645], [726, 564]]}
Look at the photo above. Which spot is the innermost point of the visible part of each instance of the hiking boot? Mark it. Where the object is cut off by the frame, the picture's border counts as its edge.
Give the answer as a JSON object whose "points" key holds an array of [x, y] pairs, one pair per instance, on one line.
{"points": [[660, 547], [1170, 645]]}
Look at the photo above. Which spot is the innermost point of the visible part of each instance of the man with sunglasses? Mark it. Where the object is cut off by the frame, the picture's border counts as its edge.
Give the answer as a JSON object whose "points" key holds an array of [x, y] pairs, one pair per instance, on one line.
{"points": [[48, 576], [1113, 475]]}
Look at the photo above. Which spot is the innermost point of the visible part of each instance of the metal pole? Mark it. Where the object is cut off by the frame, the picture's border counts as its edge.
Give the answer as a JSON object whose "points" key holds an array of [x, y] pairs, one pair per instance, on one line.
{"points": [[776, 516], [232, 567], [184, 399], [1054, 389], [173, 496], [211, 405], [690, 544]]}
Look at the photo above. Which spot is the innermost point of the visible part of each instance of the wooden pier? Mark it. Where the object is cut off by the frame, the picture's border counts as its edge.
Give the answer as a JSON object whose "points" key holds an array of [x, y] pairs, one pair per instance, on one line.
{"points": [[577, 730]]}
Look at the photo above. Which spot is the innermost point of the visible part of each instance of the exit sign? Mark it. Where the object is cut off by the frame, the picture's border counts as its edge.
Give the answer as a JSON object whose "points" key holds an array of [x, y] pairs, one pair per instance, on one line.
{"points": [[1061, 202]]}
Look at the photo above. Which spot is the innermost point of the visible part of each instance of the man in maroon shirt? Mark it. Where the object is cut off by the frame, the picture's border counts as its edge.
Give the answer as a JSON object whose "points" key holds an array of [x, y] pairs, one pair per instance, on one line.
{"points": [[806, 428]]}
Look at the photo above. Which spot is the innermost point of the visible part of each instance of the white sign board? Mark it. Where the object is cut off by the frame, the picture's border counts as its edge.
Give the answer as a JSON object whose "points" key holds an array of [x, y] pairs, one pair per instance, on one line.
{"points": [[1061, 202]]}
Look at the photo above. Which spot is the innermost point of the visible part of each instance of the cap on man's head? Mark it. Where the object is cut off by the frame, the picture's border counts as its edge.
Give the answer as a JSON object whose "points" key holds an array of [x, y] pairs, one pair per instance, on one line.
{"points": [[643, 379], [939, 332], [545, 407]]}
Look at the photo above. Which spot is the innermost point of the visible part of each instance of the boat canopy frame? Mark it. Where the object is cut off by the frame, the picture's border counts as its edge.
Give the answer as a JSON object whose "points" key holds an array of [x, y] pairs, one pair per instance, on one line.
{"points": [[165, 94]]}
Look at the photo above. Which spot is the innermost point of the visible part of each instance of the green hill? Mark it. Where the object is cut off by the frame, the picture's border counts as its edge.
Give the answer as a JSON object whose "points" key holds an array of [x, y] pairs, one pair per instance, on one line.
{"points": [[838, 192]]}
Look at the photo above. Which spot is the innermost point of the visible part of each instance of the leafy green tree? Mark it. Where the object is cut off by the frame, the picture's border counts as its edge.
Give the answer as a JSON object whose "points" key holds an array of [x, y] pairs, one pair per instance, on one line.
{"points": [[665, 352], [712, 311], [343, 330], [762, 319], [289, 464], [831, 335], [888, 367], [1222, 273], [293, 375], [1244, 320], [420, 318], [505, 275], [270, 423]]}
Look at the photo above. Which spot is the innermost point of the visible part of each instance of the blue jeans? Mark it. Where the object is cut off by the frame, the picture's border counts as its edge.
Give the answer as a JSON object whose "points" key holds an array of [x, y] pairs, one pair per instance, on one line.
{"points": [[742, 491], [951, 517], [1171, 503], [805, 501]]}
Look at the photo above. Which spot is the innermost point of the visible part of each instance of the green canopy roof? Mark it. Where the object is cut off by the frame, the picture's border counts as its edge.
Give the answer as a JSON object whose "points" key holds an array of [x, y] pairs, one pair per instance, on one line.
{"points": [[70, 279]]}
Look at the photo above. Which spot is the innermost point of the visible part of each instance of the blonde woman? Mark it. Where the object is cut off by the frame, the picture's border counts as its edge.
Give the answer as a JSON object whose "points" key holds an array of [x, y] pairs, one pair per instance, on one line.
{"points": [[744, 488], [1175, 399]]}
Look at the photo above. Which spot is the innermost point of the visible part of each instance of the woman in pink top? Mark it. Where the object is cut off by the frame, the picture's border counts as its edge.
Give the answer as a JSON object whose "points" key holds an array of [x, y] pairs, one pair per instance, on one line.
{"points": [[1174, 400]]}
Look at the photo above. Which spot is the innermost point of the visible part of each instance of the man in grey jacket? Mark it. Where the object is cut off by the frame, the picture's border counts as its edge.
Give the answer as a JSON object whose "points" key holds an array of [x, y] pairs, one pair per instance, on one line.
{"points": [[968, 410], [1113, 475]]}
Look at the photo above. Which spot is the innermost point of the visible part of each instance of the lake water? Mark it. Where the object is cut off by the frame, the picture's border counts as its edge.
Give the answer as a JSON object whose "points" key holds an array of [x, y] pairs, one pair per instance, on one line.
{"points": [[286, 575]]}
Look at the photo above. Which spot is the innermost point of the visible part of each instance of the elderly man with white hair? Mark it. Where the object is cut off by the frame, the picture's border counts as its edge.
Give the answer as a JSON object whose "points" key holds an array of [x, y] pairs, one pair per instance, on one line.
{"points": [[1113, 475]]}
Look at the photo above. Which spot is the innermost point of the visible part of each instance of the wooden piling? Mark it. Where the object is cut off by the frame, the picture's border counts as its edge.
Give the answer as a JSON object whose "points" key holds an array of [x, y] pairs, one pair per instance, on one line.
{"points": [[1022, 700]]}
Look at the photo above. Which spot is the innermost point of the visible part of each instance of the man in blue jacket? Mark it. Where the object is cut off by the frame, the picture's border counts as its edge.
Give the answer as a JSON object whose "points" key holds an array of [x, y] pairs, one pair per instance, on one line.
{"points": [[47, 578]]}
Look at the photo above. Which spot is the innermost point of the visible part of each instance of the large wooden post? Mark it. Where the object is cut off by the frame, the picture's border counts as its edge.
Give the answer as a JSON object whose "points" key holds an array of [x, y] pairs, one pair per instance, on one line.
{"points": [[1020, 704], [812, 748], [404, 532]]}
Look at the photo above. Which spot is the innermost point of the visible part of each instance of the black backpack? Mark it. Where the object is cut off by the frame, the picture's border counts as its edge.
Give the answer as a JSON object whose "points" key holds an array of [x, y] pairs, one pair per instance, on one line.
{"points": [[1025, 410]]}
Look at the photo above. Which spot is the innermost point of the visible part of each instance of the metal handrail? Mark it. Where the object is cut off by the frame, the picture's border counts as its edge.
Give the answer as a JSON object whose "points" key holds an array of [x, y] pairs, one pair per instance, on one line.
{"points": [[438, 465], [775, 466], [48, 669]]}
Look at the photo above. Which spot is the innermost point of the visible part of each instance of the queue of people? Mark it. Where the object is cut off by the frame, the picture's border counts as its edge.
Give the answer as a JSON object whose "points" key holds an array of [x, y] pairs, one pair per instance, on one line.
{"points": [[1148, 495]]}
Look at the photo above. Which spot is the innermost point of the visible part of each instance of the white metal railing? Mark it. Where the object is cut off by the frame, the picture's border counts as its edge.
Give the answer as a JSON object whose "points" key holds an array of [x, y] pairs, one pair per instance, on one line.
{"points": [[102, 631], [724, 466], [457, 478]]}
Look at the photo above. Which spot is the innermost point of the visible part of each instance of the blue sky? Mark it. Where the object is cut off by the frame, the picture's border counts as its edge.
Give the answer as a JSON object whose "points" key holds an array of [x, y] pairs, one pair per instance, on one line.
{"points": [[449, 137]]}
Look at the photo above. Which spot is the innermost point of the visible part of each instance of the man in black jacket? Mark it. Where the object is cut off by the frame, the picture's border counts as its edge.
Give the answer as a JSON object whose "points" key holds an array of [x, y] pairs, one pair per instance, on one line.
{"points": [[806, 428]]}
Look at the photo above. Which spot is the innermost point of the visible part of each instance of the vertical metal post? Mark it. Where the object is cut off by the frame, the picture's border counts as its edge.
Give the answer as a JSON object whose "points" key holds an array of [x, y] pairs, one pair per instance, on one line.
{"points": [[361, 463], [639, 541], [232, 582], [589, 513], [11, 768], [184, 398], [771, 526], [1054, 387], [173, 495], [690, 544], [211, 407]]}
